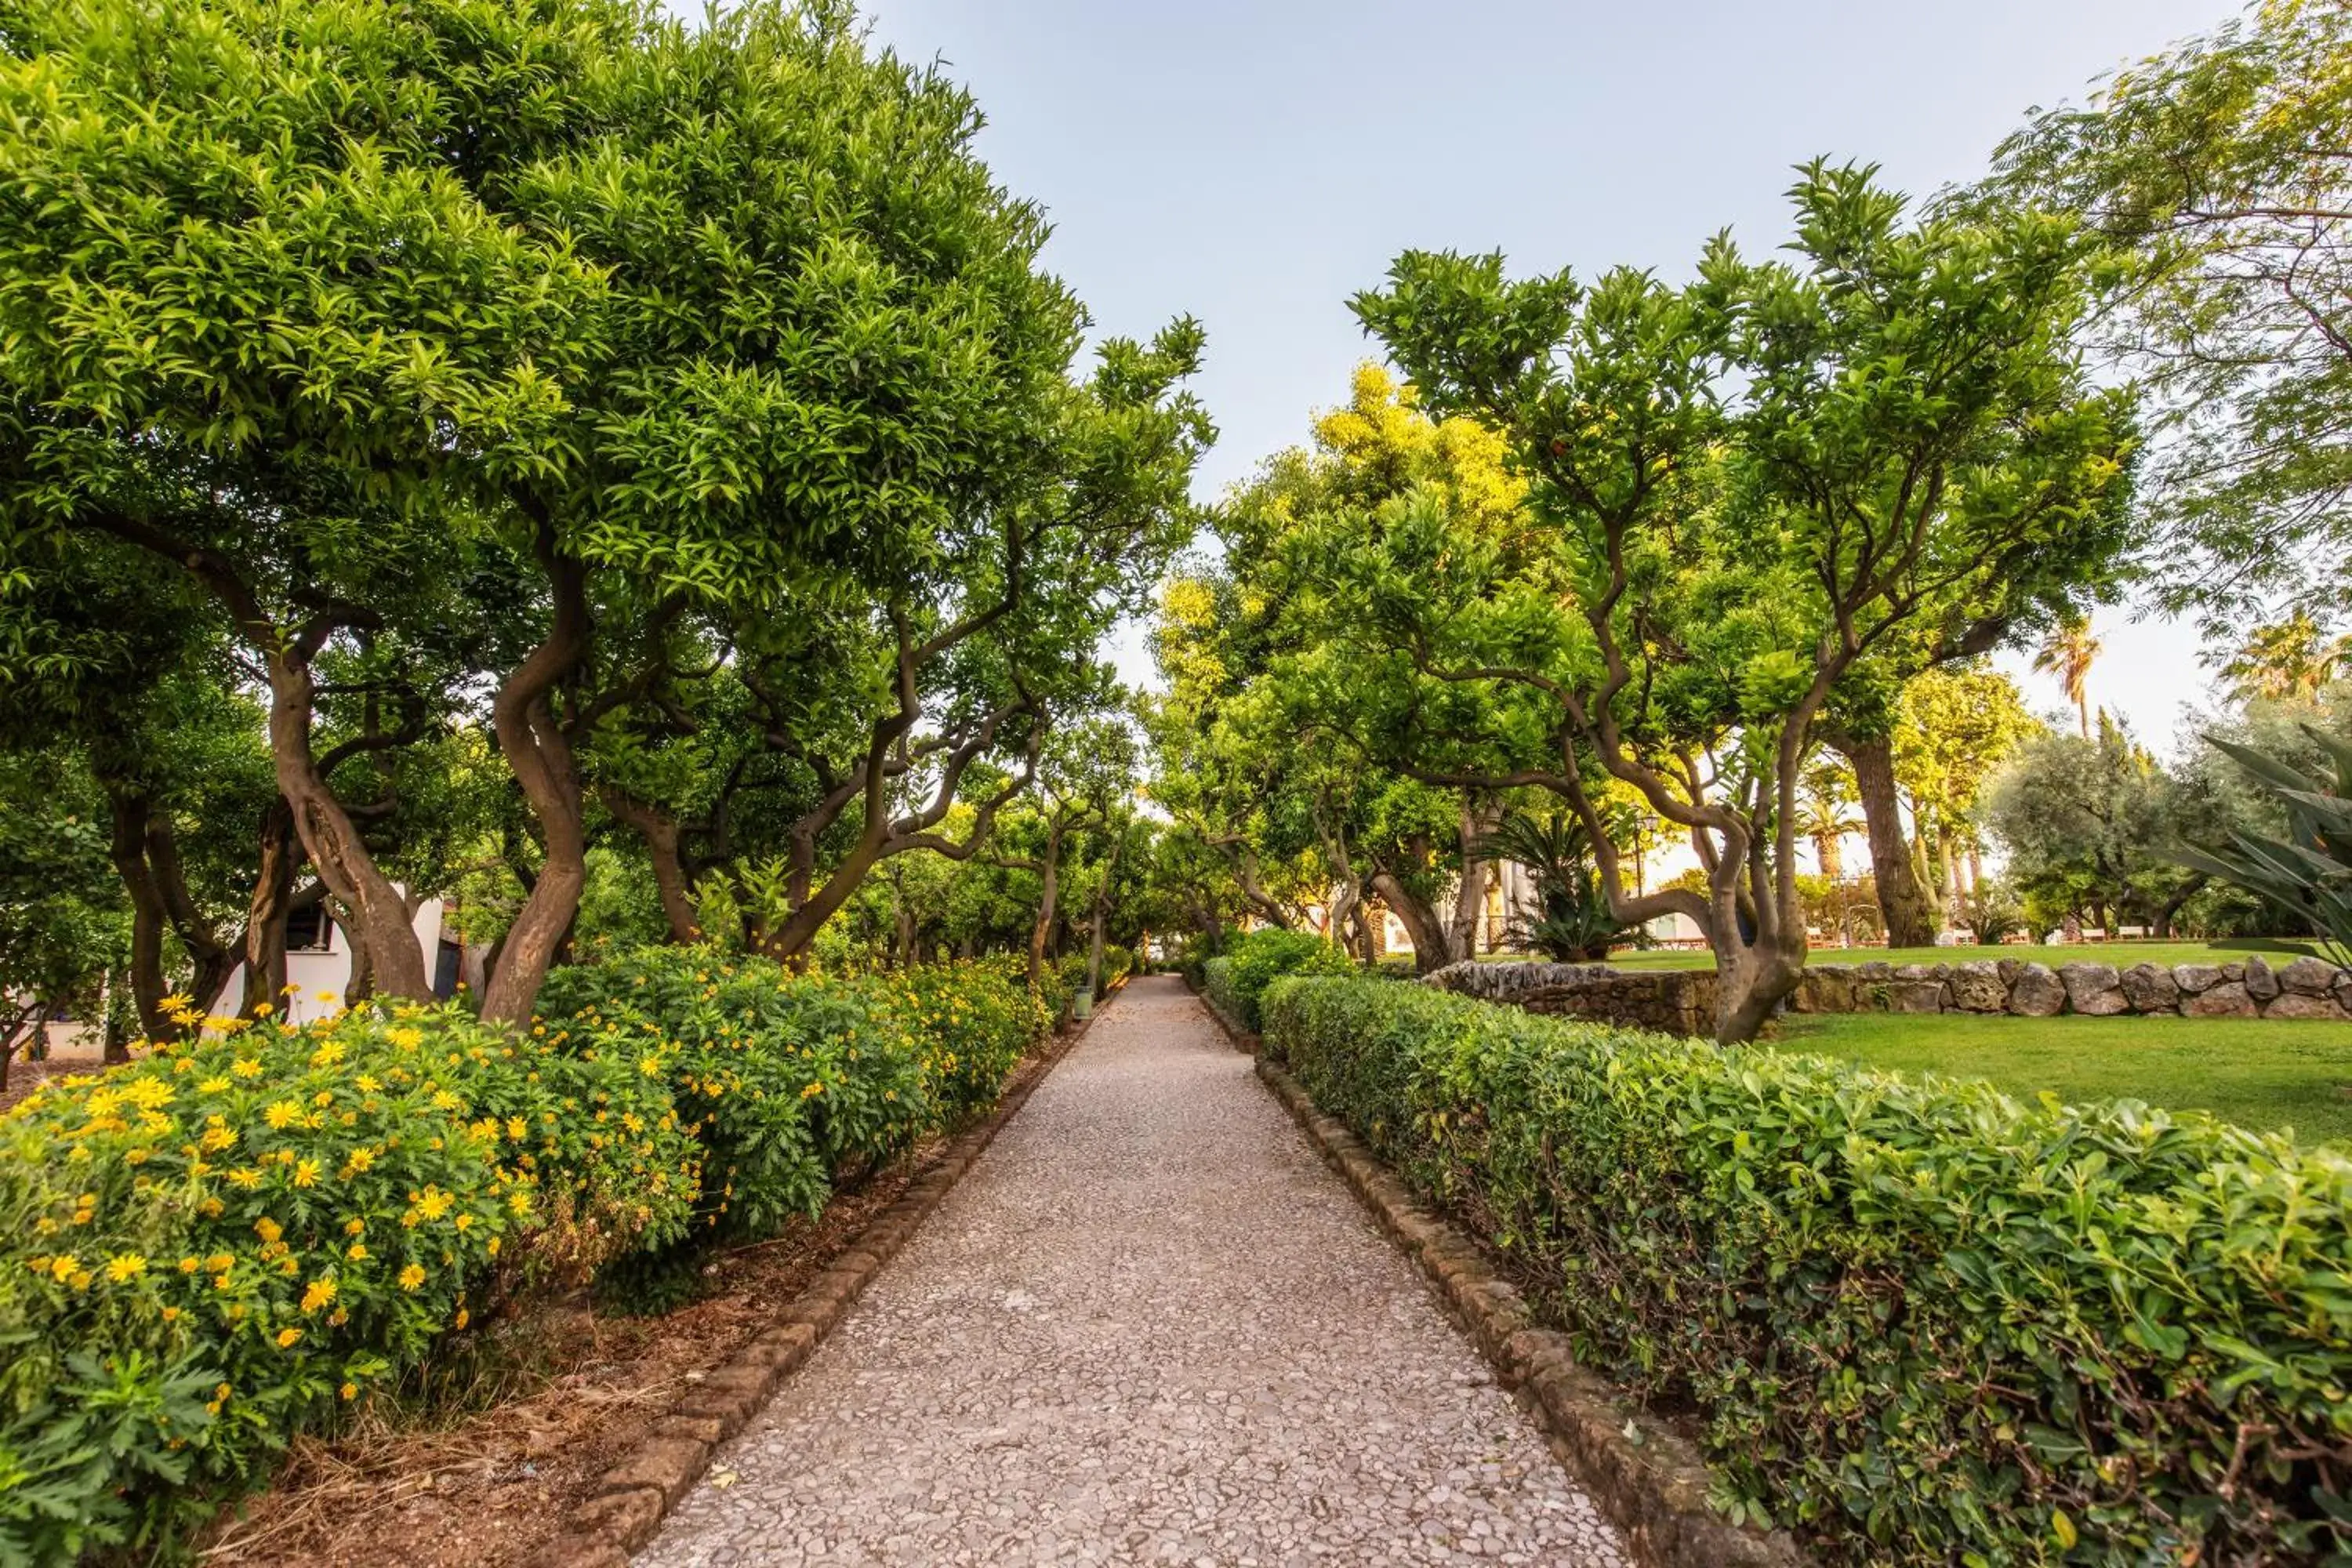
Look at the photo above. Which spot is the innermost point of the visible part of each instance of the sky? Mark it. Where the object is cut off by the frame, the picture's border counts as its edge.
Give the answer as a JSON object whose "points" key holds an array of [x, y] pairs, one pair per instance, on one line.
{"points": [[1254, 163]]}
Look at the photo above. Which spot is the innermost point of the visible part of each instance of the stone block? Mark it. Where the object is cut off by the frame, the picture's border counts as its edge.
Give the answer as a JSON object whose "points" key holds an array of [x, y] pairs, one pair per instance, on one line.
{"points": [[2227, 1000], [2037, 992], [2093, 988], [2303, 1005], [2193, 978], [2308, 976], [1875, 972], [2150, 988], [1915, 996], [2261, 984], [1977, 987]]}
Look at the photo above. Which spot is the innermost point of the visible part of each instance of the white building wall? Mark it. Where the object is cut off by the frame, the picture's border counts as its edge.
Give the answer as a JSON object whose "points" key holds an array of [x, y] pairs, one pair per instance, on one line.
{"points": [[318, 975]]}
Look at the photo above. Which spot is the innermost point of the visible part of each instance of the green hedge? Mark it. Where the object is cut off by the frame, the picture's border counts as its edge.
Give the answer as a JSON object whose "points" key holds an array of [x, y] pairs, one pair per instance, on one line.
{"points": [[1236, 979], [1919, 1322], [218, 1246]]}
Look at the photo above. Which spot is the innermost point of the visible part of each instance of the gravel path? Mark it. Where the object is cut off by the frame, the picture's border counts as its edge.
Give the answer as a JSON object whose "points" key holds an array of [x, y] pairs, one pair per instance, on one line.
{"points": [[1149, 1326]]}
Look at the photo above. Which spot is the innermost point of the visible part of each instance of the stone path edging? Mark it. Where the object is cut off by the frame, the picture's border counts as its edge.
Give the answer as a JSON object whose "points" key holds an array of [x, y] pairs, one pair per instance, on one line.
{"points": [[638, 1493], [1652, 1484]]}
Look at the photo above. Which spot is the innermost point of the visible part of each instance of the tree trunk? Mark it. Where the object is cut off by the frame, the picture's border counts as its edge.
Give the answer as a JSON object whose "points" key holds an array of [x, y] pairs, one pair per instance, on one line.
{"points": [[535, 747], [659, 830], [379, 914], [127, 846], [1470, 897], [1902, 905], [1050, 878], [265, 918], [1421, 922]]}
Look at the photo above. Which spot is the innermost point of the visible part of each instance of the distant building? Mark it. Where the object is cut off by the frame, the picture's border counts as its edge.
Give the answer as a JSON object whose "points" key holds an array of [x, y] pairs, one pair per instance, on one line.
{"points": [[318, 963]]}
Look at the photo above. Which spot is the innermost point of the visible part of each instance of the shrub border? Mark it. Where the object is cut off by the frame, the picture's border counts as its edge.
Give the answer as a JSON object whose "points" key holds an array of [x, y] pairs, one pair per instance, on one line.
{"points": [[628, 1504], [1651, 1483]]}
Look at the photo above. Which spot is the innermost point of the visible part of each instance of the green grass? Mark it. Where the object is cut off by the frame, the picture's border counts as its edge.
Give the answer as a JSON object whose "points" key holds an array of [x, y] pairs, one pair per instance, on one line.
{"points": [[2122, 955], [2277, 1076]]}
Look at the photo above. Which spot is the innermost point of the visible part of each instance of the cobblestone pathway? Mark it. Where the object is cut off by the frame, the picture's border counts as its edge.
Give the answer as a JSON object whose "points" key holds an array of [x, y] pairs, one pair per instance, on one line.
{"points": [[1148, 1327]]}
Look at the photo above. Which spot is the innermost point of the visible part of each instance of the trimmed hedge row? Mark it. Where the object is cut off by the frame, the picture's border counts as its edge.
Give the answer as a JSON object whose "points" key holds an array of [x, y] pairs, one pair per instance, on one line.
{"points": [[1920, 1323], [1236, 979], [218, 1247]]}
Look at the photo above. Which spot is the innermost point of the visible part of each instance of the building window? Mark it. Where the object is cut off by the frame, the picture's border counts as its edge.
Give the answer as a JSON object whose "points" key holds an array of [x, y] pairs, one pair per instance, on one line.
{"points": [[307, 928]]}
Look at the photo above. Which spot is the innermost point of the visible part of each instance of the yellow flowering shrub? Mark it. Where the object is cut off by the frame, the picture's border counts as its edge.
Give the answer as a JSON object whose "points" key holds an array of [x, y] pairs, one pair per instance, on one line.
{"points": [[203, 1250], [977, 1019], [788, 1081]]}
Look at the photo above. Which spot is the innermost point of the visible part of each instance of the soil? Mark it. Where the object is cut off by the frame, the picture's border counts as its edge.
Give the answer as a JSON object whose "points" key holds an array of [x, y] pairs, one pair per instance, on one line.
{"points": [[485, 1490], [25, 1077]]}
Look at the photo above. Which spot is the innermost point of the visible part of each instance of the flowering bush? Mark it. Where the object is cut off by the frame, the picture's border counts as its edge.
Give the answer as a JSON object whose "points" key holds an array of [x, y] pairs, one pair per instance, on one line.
{"points": [[211, 1249], [785, 1080], [791, 1082], [221, 1245], [979, 1019]]}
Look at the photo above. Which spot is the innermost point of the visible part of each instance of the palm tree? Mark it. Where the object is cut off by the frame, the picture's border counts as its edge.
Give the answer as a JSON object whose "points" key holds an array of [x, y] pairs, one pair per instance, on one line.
{"points": [[1823, 817], [2286, 659], [2067, 653]]}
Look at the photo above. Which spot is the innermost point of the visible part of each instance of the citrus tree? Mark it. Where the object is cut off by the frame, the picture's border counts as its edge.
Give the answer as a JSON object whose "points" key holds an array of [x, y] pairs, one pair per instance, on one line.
{"points": [[1738, 489]]}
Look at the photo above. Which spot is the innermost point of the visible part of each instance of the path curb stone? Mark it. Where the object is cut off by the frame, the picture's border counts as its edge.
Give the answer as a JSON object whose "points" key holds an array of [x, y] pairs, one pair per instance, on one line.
{"points": [[1651, 1483], [635, 1496]]}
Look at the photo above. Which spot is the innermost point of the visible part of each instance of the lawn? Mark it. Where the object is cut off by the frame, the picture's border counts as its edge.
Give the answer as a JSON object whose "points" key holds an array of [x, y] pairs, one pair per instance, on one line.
{"points": [[2122, 955], [2276, 1076]]}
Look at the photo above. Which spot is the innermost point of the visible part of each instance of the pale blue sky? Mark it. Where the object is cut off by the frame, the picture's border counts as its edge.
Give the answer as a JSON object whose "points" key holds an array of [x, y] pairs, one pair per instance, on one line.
{"points": [[1254, 163]]}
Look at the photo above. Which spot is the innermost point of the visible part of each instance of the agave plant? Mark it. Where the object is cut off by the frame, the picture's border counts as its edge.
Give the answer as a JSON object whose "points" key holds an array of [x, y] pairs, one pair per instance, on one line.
{"points": [[2308, 874], [1575, 922]]}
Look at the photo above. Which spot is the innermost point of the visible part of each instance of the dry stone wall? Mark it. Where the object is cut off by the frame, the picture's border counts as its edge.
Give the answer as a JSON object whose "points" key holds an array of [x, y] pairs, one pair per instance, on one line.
{"points": [[1683, 1001]]}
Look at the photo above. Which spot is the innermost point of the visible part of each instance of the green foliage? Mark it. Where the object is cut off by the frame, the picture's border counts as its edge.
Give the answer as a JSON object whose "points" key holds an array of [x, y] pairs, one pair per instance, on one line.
{"points": [[2088, 825], [2212, 171], [1237, 980], [213, 1249], [1918, 1321], [1216, 982], [2307, 874]]}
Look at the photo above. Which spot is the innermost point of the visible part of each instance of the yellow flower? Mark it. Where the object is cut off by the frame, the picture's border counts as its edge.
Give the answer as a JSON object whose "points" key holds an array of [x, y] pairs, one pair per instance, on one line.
{"points": [[63, 1267], [306, 1174], [355, 1226], [494, 1246], [268, 1229], [282, 1112], [812, 1092], [362, 1159], [190, 1264], [433, 1204], [323, 996], [288, 1338], [214, 1085], [319, 1293], [518, 1128], [171, 1314], [465, 1222], [351, 1390], [463, 1318], [368, 1083], [357, 1250], [246, 1067], [125, 1266], [412, 1277]]}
